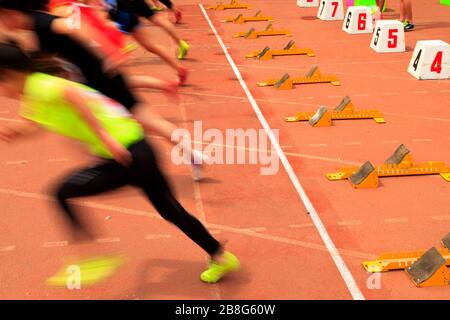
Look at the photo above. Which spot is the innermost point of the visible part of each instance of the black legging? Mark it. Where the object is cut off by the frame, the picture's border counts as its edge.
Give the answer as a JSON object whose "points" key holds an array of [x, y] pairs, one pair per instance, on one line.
{"points": [[143, 173]]}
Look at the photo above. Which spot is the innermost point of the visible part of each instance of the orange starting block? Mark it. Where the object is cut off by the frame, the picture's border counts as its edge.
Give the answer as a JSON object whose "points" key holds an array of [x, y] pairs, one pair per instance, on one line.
{"points": [[344, 111], [399, 164], [233, 5], [313, 76], [290, 50], [269, 31], [425, 268], [242, 19]]}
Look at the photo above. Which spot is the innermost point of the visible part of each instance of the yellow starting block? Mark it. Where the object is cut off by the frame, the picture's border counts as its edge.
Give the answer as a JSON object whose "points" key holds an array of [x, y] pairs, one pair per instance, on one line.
{"points": [[313, 76], [289, 50], [269, 31], [233, 5], [242, 19], [399, 164], [344, 111]]}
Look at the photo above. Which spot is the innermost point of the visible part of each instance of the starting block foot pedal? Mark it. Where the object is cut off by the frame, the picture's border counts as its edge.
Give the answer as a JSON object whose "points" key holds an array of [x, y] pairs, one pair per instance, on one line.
{"points": [[446, 241], [398, 156], [365, 177], [322, 118], [285, 83], [430, 270]]}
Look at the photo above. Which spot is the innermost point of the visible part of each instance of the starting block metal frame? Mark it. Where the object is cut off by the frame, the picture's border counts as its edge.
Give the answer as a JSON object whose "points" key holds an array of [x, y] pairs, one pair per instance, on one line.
{"points": [[233, 5], [290, 50], [269, 31], [312, 76], [400, 164], [241, 19], [344, 111]]}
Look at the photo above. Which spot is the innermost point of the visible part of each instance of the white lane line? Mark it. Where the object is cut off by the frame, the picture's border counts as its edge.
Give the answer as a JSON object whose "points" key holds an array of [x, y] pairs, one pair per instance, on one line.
{"points": [[299, 226], [396, 220], [350, 223], [422, 140], [217, 102], [7, 248], [419, 92], [16, 162], [12, 120], [361, 95], [157, 236], [340, 263], [353, 143], [444, 91], [440, 218], [391, 93], [316, 145], [55, 244], [389, 141], [4, 112], [257, 229], [215, 232], [108, 240]]}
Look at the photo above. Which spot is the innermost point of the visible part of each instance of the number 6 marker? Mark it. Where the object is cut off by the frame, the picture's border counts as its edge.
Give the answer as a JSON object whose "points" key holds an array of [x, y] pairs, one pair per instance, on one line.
{"points": [[358, 20]]}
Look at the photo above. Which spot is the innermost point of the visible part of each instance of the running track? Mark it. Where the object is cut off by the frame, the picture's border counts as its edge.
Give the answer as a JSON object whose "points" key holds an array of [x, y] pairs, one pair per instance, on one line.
{"points": [[263, 218]]}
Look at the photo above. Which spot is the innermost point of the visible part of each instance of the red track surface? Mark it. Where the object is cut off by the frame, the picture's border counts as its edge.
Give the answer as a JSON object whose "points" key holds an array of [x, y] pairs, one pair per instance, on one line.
{"points": [[261, 217]]}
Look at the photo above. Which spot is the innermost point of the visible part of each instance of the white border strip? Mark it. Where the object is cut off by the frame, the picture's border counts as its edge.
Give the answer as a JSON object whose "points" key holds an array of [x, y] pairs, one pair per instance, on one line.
{"points": [[340, 264]]}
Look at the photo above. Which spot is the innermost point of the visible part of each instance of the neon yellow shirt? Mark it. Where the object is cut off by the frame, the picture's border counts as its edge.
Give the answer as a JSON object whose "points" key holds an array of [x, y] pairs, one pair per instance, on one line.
{"points": [[44, 103]]}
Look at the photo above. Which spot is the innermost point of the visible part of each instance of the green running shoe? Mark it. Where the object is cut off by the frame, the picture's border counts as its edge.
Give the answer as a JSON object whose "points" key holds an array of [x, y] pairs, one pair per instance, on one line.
{"points": [[217, 271], [183, 49]]}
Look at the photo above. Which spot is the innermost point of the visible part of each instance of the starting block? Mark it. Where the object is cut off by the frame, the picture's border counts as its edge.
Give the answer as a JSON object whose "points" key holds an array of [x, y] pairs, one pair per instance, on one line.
{"points": [[308, 3], [313, 76], [269, 31], [233, 5], [389, 36], [256, 18], [399, 260], [358, 20], [399, 164], [290, 50], [344, 111], [430, 60], [429, 270], [330, 10], [446, 241]]}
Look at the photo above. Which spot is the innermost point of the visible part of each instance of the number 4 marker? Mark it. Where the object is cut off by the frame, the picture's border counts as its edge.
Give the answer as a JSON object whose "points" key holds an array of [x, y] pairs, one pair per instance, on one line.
{"points": [[430, 60]]}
